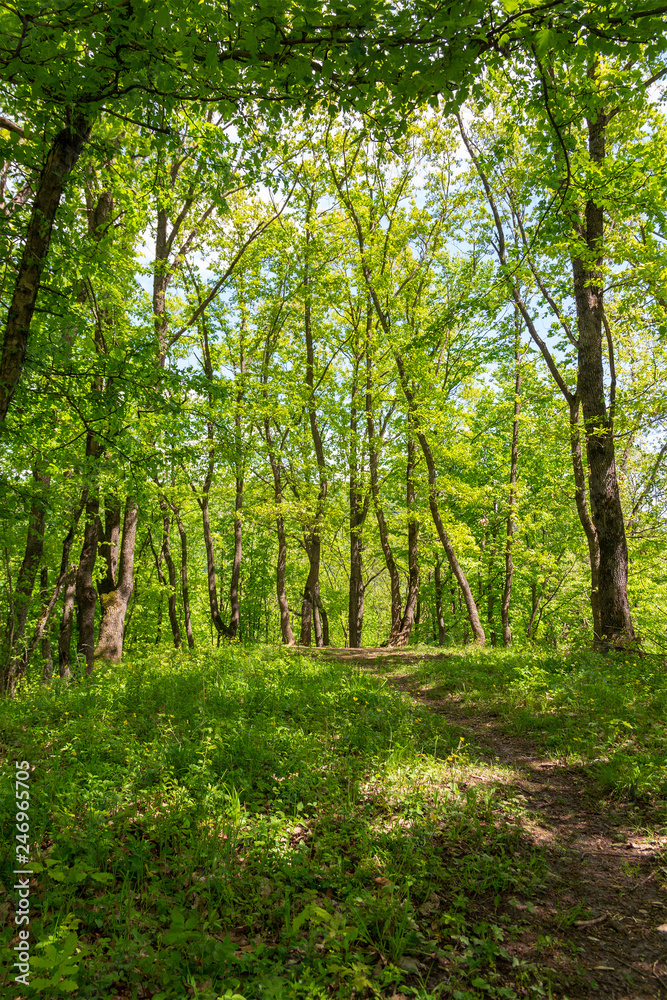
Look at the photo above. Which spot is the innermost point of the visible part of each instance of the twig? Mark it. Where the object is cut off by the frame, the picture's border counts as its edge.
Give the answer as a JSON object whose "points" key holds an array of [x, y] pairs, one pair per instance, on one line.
{"points": [[591, 923]]}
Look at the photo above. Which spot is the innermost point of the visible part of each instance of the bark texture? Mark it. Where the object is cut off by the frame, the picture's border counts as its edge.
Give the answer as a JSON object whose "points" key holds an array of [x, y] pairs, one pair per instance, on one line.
{"points": [[61, 159], [616, 629], [114, 602]]}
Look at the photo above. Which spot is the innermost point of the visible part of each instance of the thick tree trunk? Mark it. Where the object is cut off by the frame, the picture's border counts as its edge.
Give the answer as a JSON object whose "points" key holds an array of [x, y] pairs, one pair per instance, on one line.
{"points": [[107, 546], [509, 537], [61, 159], [616, 630], [311, 593], [588, 295], [114, 603]]}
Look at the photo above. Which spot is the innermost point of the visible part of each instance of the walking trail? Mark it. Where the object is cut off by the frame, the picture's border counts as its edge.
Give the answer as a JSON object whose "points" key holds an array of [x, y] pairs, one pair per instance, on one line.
{"points": [[601, 857]]}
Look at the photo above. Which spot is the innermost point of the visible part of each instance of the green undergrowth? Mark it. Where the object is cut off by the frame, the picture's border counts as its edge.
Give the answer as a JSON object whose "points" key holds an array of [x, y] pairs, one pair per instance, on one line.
{"points": [[261, 825], [606, 713]]}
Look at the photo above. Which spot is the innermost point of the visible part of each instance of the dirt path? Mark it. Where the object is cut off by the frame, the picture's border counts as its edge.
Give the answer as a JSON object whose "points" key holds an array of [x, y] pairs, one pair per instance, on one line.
{"points": [[600, 922]]}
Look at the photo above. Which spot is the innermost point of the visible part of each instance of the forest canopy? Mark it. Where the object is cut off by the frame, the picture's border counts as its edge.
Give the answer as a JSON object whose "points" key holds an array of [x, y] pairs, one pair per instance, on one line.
{"points": [[331, 324]]}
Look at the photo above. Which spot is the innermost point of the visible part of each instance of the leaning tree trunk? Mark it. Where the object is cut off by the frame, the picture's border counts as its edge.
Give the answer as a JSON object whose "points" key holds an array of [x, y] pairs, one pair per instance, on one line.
{"points": [[61, 159], [471, 607], [461, 579], [114, 603]]}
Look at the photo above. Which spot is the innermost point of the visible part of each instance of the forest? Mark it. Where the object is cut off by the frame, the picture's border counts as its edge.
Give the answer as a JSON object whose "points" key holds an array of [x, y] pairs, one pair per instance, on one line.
{"points": [[334, 434]]}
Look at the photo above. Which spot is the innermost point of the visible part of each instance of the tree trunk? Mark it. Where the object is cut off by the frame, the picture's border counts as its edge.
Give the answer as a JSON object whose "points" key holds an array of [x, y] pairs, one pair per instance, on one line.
{"points": [[47, 653], [14, 664], [580, 494], [310, 592], [281, 564], [324, 618], [442, 632], [171, 573], [589, 306], [61, 159], [86, 595], [509, 538], [359, 504], [313, 543], [114, 603], [616, 630], [107, 546], [471, 607], [66, 623], [170, 583], [355, 615], [373, 461], [184, 577], [210, 567], [402, 636], [235, 609]]}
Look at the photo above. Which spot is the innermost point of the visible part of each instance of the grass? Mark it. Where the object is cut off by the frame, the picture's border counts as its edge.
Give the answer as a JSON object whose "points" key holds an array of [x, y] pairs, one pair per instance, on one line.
{"points": [[250, 823], [608, 714]]}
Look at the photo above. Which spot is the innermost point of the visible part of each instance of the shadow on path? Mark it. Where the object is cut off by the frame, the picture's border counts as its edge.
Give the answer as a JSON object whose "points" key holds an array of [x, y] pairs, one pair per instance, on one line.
{"points": [[600, 921]]}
